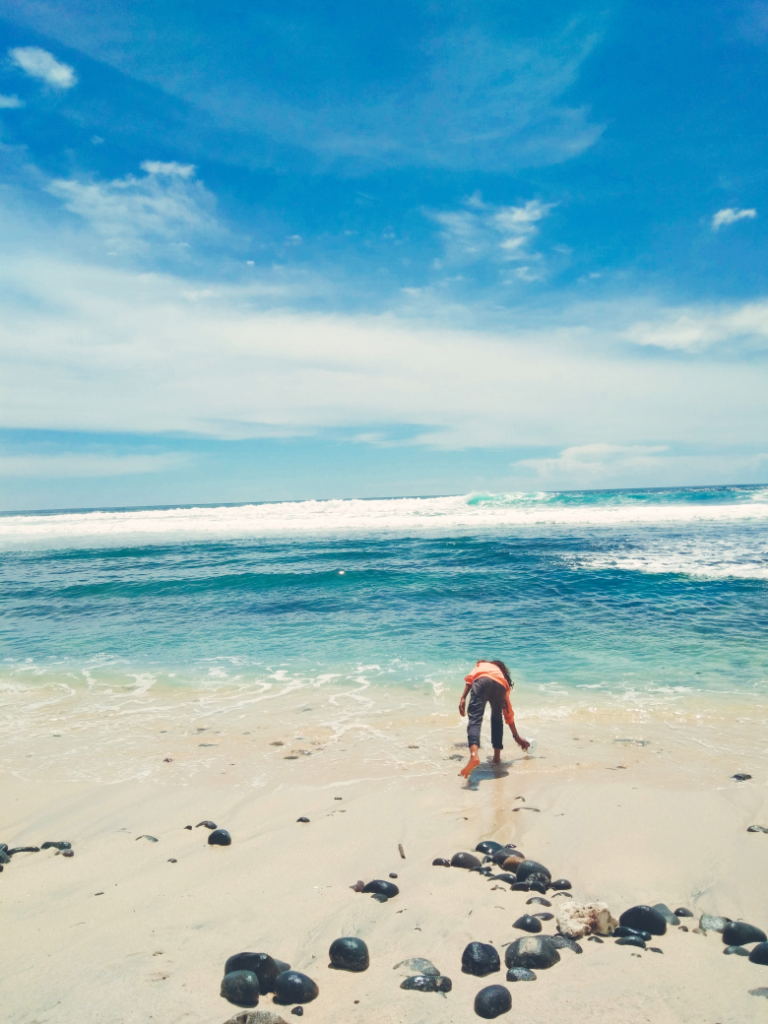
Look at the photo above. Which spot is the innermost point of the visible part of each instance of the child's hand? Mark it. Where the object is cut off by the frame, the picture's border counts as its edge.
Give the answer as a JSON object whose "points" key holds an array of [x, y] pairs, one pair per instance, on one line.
{"points": [[462, 707], [524, 744]]}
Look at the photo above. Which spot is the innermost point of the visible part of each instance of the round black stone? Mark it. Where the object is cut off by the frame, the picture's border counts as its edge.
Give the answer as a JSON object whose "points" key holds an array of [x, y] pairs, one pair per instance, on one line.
{"points": [[304, 820], [420, 983], [349, 954], [520, 974], [241, 988], [759, 954], [298, 1011], [532, 867], [220, 837], [521, 886], [295, 987], [382, 887], [443, 984], [535, 952], [501, 855], [631, 940], [622, 932], [741, 776], [488, 846], [535, 885], [492, 1001], [393, 874], [441, 862], [480, 958], [560, 883], [262, 965], [739, 933], [684, 912], [465, 860], [528, 923], [645, 919]]}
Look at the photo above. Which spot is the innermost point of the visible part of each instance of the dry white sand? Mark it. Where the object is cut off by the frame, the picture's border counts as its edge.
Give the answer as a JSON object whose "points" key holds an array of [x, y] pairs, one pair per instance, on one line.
{"points": [[120, 935]]}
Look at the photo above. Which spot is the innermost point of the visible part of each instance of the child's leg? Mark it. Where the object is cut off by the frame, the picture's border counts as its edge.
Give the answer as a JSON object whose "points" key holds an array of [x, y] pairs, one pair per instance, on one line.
{"points": [[497, 735], [474, 721]]}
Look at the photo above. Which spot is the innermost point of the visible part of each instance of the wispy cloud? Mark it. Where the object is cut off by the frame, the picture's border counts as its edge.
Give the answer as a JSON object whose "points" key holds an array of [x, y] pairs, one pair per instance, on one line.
{"points": [[171, 168], [730, 216], [10, 102], [696, 329], [39, 63], [483, 231], [131, 213], [592, 462]]}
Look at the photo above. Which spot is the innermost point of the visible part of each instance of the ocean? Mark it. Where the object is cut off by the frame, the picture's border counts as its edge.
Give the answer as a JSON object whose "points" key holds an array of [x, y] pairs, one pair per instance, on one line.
{"points": [[646, 599]]}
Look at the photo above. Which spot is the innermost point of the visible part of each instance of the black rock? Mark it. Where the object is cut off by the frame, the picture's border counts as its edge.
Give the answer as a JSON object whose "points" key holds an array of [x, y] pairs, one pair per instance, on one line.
{"points": [[298, 1011], [564, 942], [281, 965], [536, 886], [534, 951], [393, 874], [568, 894], [4, 858], [741, 776], [622, 932], [757, 828], [738, 950], [655, 949], [382, 887], [739, 933], [759, 954], [262, 964], [532, 867], [501, 855], [421, 983], [666, 913], [528, 923], [561, 883], [304, 820], [294, 987], [441, 862], [188, 827], [480, 958], [683, 912], [56, 846], [204, 824], [759, 992], [379, 897], [505, 876], [465, 860], [443, 984], [26, 849], [220, 838], [544, 916], [631, 940], [349, 954], [488, 846], [594, 938], [644, 918], [538, 901], [520, 974], [67, 853], [521, 886], [241, 988], [492, 1001]]}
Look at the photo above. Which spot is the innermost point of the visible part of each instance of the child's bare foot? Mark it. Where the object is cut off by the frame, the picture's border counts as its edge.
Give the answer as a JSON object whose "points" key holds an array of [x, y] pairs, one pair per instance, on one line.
{"points": [[470, 766], [496, 756]]}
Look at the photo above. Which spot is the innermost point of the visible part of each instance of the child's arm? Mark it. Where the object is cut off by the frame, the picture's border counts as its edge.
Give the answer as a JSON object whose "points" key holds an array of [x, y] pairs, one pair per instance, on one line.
{"points": [[463, 701], [523, 744]]}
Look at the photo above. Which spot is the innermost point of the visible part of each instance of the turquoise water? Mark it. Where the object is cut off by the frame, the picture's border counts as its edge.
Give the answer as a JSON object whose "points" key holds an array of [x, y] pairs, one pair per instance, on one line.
{"points": [[630, 592]]}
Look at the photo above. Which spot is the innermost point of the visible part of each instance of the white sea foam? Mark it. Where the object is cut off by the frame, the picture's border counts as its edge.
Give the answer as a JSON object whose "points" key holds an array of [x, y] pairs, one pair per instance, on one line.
{"points": [[458, 514]]}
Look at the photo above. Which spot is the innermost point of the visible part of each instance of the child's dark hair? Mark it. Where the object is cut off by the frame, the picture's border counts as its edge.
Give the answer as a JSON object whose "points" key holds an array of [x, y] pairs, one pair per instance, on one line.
{"points": [[504, 669]]}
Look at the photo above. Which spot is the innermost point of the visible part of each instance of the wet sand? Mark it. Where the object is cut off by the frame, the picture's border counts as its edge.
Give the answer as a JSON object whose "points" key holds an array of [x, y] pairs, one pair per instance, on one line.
{"points": [[120, 934]]}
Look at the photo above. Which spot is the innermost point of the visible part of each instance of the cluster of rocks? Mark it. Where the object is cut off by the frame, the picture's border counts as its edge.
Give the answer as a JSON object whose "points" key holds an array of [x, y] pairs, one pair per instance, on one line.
{"points": [[247, 976], [217, 837], [380, 889], [61, 847]]}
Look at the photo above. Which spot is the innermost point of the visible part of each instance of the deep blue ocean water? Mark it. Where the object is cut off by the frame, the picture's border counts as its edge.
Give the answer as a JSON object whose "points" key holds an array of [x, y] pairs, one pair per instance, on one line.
{"points": [[615, 591]]}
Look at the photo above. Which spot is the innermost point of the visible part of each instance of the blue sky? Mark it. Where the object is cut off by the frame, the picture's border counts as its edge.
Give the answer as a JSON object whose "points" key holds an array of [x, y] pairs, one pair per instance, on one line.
{"points": [[289, 250]]}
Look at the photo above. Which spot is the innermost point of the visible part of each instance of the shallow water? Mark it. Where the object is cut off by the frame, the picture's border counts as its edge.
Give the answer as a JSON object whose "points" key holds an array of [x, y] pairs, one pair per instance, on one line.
{"points": [[616, 602]]}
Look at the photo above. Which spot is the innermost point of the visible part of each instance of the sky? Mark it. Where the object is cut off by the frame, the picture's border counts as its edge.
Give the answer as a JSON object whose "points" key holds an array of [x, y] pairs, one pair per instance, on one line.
{"points": [[267, 251]]}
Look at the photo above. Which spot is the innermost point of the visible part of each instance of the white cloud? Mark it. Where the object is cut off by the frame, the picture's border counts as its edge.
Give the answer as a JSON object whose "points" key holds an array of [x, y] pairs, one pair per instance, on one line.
{"points": [[40, 64], [483, 231], [730, 216], [171, 168], [67, 464], [694, 330], [96, 348], [608, 465], [131, 213], [10, 102]]}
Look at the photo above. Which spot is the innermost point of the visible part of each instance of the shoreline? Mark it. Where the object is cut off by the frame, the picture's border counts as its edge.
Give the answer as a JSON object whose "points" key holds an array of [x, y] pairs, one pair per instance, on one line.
{"points": [[669, 826]]}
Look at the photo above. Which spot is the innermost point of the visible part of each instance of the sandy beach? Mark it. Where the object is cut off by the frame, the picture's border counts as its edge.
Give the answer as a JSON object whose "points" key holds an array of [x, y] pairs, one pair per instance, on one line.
{"points": [[129, 930]]}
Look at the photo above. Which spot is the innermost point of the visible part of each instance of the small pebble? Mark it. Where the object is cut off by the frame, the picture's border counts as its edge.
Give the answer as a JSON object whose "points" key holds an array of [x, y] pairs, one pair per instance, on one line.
{"points": [[520, 974], [741, 776], [655, 949], [561, 883], [441, 862], [220, 837], [594, 938], [631, 940], [538, 900], [528, 923], [393, 874], [150, 838], [172, 860], [464, 860], [298, 1010], [683, 912], [67, 853], [738, 950], [204, 824], [188, 827], [304, 820], [382, 887], [380, 897], [294, 987]]}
